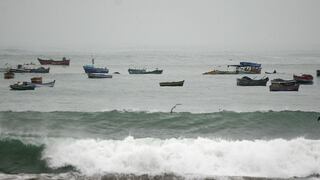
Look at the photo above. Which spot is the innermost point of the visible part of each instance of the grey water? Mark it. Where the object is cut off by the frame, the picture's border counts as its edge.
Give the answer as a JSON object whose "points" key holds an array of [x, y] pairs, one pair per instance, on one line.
{"points": [[75, 92], [121, 127]]}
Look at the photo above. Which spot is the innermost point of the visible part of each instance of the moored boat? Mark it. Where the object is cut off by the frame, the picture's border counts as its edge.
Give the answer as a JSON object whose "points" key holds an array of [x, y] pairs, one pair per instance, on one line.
{"points": [[8, 75], [173, 83], [304, 78], [64, 61], [248, 68], [318, 72], [144, 71], [23, 86], [40, 70], [49, 84], [214, 72], [22, 69], [247, 81], [99, 75], [284, 85], [37, 81], [92, 69]]}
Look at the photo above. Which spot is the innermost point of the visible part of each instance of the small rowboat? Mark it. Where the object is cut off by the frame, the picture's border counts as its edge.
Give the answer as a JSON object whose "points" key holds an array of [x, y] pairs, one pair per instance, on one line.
{"points": [[304, 78], [144, 71], [214, 72], [99, 75], [37, 81], [64, 61], [49, 84], [246, 81], [9, 75], [174, 83], [283, 85], [23, 86]]}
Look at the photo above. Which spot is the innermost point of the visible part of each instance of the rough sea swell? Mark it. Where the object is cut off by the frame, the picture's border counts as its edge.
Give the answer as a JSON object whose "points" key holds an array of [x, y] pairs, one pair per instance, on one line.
{"points": [[260, 144]]}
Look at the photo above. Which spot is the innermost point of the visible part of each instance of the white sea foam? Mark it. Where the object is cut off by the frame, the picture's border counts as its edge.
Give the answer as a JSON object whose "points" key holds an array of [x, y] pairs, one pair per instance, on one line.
{"points": [[200, 156]]}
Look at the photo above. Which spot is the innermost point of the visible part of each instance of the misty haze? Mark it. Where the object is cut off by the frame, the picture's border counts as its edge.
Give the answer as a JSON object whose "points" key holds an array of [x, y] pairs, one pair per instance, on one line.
{"points": [[159, 89]]}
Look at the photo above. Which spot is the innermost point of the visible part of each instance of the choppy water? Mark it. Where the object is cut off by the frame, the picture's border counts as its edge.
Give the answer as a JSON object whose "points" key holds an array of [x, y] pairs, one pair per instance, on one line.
{"points": [[122, 128]]}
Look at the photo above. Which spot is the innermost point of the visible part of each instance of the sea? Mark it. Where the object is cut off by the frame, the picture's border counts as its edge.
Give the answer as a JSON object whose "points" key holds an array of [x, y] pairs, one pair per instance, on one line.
{"points": [[122, 128]]}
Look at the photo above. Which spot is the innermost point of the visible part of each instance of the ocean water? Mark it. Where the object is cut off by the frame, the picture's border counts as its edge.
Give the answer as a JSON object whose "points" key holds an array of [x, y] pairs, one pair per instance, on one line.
{"points": [[121, 128]]}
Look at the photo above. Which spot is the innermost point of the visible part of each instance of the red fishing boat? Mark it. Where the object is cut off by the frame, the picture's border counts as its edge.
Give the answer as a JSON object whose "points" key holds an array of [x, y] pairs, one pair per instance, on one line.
{"points": [[304, 78], [64, 61]]}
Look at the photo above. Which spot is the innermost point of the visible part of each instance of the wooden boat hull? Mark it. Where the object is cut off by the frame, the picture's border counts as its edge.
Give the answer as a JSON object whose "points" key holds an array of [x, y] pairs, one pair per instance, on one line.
{"points": [[252, 82], [49, 84], [142, 71], [92, 69], [8, 75], [304, 79], [54, 62], [99, 75], [281, 87], [174, 83]]}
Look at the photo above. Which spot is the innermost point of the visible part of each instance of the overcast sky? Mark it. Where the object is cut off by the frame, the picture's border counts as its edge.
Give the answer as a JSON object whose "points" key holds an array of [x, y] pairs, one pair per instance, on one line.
{"points": [[217, 24]]}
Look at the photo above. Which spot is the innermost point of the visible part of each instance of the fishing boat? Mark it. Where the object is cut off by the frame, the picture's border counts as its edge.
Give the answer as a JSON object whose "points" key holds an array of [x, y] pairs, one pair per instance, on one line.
{"points": [[22, 69], [99, 75], [23, 86], [92, 69], [284, 85], [8, 75], [173, 83], [214, 72], [144, 71], [248, 68], [247, 81], [37, 81], [304, 78], [64, 61], [40, 70]]}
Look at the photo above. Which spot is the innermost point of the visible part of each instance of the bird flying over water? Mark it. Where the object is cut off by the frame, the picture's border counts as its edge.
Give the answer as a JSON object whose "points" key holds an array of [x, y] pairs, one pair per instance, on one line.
{"points": [[171, 111]]}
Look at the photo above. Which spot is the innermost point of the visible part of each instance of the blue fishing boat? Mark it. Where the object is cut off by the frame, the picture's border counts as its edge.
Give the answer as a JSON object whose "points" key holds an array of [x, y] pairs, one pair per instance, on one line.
{"points": [[92, 69], [248, 68]]}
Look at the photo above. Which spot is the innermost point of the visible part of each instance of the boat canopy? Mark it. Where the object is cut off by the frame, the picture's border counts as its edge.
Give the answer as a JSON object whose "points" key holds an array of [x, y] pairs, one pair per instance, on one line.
{"points": [[247, 64], [250, 64]]}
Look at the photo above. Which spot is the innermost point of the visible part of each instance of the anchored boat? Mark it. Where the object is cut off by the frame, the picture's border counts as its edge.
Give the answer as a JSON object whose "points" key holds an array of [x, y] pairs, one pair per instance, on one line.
{"points": [[23, 86], [173, 83], [214, 72], [64, 61], [92, 69], [99, 75], [248, 68], [8, 75], [304, 78], [144, 71], [284, 85], [247, 81], [37, 81]]}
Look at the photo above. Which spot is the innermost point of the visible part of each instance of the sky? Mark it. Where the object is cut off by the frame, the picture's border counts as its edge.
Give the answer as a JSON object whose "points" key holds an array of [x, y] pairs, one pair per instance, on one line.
{"points": [[229, 25]]}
